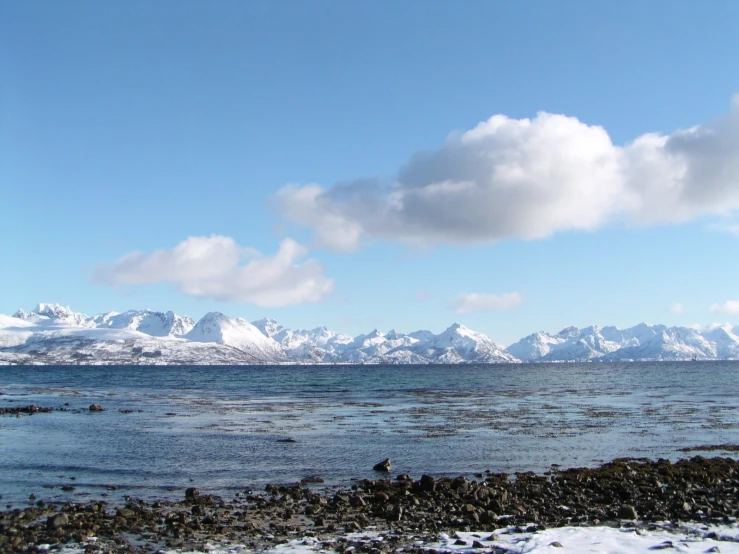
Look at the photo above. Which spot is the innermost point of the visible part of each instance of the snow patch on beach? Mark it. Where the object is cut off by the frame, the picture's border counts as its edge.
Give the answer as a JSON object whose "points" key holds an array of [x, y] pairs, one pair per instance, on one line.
{"points": [[603, 540]]}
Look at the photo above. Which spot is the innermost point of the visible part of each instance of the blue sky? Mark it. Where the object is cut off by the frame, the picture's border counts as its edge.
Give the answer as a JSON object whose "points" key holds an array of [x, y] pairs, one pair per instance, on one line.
{"points": [[294, 128]]}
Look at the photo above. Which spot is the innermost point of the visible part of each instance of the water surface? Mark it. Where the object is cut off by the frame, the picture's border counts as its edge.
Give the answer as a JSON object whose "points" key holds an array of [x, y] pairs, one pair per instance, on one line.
{"points": [[225, 429]]}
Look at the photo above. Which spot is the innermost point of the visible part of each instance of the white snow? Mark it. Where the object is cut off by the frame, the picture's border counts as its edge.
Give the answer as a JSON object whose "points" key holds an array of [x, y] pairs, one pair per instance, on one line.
{"points": [[156, 324], [267, 341], [234, 332], [605, 540], [576, 540], [458, 343], [54, 314], [643, 341]]}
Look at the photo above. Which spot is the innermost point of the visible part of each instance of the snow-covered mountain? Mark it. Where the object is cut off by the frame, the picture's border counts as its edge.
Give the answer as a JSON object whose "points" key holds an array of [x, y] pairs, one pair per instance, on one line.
{"points": [[156, 324], [460, 344], [214, 327], [303, 345], [53, 334], [641, 342], [54, 314], [457, 344]]}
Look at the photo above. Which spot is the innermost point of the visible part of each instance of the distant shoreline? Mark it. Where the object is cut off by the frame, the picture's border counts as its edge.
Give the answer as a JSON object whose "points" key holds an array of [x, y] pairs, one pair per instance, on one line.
{"points": [[4, 363]]}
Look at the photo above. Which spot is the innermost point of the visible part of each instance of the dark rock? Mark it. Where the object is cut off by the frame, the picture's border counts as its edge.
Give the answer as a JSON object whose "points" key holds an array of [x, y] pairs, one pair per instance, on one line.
{"points": [[427, 483], [30, 410], [357, 501], [191, 493], [57, 521], [556, 544], [396, 513], [384, 466], [96, 408], [488, 517], [126, 513], [627, 512]]}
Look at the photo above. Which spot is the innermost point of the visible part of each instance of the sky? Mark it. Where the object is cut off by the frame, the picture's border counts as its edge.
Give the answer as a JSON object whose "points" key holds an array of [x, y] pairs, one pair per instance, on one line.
{"points": [[512, 167]]}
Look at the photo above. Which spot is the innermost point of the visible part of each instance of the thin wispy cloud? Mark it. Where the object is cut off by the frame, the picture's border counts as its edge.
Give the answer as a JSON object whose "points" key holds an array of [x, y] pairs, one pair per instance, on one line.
{"points": [[217, 267], [479, 302], [529, 179], [676, 308], [730, 307]]}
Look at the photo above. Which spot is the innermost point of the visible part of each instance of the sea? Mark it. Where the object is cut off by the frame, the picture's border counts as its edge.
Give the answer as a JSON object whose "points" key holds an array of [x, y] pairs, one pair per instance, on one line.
{"points": [[226, 430]]}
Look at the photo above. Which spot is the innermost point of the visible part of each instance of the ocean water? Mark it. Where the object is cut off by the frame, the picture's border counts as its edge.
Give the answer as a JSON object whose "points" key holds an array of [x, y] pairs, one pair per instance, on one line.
{"points": [[229, 429]]}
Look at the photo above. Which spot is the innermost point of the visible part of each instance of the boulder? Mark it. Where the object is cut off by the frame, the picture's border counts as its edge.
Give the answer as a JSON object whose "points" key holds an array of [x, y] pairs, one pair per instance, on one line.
{"points": [[56, 521], [384, 466], [427, 483]]}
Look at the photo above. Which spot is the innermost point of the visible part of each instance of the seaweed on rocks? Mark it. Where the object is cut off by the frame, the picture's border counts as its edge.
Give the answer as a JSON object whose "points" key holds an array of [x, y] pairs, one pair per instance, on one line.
{"points": [[29, 410]]}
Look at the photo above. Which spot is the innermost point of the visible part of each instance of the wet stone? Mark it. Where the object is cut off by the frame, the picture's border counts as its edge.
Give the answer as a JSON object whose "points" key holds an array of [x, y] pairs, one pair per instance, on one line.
{"points": [[58, 520], [384, 466], [427, 483]]}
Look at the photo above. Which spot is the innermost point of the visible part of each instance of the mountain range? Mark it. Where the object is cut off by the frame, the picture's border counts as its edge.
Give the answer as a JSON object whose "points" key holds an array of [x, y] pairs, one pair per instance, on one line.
{"points": [[53, 334]]}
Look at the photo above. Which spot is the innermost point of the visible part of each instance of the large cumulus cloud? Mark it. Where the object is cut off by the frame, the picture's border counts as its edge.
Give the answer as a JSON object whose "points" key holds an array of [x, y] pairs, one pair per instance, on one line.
{"points": [[528, 179], [217, 267]]}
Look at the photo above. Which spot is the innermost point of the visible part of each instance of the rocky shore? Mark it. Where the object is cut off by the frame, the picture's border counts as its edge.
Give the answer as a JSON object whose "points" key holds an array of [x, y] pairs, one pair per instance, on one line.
{"points": [[407, 512]]}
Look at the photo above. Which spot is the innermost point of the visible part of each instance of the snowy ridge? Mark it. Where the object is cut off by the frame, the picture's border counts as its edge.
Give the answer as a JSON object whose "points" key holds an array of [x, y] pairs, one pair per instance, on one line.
{"points": [[641, 342], [156, 324], [55, 334], [54, 314], [237, 333]]}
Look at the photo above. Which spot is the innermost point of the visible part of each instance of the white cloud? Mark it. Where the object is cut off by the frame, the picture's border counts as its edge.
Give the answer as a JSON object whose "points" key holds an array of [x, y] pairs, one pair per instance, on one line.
{"points": [[529, 178], [216, 267], [478, 302], [676, 308], [730, 307]]}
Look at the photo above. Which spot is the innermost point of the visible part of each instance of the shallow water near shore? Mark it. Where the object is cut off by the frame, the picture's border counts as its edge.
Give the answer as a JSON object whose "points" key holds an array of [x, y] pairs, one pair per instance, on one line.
{"points": [[226, 429]]}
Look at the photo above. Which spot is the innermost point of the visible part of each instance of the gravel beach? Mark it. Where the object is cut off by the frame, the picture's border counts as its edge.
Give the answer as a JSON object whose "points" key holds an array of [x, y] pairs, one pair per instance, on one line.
{"points": [[409, 514]]}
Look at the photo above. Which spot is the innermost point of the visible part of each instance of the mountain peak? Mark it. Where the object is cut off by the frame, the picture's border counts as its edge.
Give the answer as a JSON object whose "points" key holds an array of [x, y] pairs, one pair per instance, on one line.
{"points": [[150, 322], [568, 331], [54, 314], [52, 310], [268, 326], [456, 328], [235, 332]]}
